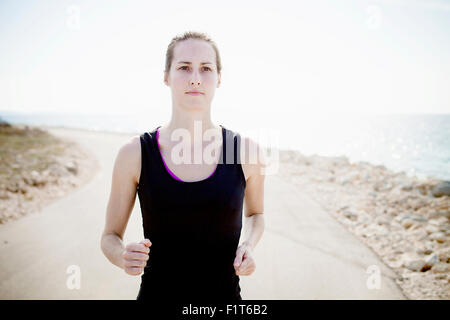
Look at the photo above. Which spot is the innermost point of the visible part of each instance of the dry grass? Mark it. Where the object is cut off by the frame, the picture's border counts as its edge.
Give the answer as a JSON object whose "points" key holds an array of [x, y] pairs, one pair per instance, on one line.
{"points": [[24, 150]]}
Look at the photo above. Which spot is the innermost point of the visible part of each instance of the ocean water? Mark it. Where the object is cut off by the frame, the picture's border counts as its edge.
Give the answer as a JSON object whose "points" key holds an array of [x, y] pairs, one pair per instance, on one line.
{"points": [[417, 144]]}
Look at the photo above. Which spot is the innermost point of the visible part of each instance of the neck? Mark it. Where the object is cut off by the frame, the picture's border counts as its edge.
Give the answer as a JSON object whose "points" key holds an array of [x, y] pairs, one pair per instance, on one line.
{"points": [[191, 121]]}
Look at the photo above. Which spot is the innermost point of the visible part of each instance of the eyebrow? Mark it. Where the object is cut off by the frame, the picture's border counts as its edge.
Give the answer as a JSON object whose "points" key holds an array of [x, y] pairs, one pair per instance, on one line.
{"points": [[188, 62]]}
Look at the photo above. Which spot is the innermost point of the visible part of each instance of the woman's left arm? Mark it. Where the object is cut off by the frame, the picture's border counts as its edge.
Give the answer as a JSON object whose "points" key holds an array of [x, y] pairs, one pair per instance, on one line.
{"points": [[244, 263]]}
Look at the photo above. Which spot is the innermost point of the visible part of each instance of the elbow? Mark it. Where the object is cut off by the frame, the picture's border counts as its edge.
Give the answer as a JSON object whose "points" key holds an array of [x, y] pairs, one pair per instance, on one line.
{"points": [[260, 223], [106, 239], [102, 243]]}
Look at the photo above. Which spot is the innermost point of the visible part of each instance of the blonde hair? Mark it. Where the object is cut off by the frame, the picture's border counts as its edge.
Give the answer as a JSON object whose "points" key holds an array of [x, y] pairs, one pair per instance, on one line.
{"points": [[191, 35]]}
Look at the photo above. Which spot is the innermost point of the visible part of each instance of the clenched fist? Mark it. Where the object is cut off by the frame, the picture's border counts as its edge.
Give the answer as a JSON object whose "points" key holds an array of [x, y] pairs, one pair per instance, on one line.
{"points": [[135, 257], [244, 264]]}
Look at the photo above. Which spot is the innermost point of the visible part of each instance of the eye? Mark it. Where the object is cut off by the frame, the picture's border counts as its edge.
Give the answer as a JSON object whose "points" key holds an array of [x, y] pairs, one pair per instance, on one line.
{"points": [[182, 68]]}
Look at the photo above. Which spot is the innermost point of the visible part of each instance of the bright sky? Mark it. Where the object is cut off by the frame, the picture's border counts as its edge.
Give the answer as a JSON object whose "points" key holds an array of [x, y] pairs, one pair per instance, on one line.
{"points": [[278, 56]]}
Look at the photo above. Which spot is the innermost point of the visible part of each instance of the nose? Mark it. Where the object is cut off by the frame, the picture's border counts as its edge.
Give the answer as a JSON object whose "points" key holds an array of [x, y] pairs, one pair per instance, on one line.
{"points": [[195, 79]]}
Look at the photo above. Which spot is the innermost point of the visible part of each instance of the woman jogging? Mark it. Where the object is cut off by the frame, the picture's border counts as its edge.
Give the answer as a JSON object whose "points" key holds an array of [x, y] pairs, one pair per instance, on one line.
{"points": [[191, 210]]}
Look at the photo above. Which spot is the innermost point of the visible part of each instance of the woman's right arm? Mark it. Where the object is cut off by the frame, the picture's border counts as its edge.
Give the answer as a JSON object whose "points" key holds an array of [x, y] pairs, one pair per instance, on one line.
{"points": [[132, 258]]}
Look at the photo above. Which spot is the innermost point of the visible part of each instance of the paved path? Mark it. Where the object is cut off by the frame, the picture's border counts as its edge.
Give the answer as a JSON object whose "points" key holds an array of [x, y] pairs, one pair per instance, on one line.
{"points": [[304, 253]]}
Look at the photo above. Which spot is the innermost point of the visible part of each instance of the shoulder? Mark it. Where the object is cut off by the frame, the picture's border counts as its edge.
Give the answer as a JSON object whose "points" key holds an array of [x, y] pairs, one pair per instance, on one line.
{"points": [[252, 156], [131, 147], [129, 157], [254, 152]]}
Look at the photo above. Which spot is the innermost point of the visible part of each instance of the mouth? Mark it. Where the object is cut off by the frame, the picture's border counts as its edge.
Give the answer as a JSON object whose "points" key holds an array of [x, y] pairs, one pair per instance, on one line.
{"points": [[194, 93]]}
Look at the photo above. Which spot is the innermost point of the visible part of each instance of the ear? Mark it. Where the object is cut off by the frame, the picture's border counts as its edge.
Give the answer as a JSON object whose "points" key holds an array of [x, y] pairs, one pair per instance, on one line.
{"points": [[166, 78], [219, 79]]}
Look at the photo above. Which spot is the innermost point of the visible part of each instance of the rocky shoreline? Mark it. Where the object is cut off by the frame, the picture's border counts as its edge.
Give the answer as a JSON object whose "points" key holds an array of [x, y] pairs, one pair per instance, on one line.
{"points": [[37, 168], [404, 220]]}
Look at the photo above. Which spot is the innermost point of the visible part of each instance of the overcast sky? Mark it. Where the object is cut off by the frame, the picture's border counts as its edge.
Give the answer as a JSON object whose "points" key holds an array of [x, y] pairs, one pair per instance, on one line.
{"points": [[278, 56]]}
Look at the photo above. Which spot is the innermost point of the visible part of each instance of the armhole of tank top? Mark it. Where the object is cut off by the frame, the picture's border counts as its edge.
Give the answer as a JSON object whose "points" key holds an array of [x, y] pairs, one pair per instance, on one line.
{"points": [[238, 144], [141, 174]]}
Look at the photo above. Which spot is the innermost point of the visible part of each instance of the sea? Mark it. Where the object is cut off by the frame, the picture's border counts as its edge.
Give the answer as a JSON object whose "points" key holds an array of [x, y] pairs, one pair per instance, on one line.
{"points": [[416, 144]]}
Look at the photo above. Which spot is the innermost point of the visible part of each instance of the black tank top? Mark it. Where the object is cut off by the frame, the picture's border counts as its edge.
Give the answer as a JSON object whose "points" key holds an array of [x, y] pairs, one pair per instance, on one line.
{"points": [[194, 227]]}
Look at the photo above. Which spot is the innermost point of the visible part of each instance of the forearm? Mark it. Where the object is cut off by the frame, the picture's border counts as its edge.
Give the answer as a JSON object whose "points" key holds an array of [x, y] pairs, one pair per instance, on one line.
{"points": [[253, 229], [112, 247]]}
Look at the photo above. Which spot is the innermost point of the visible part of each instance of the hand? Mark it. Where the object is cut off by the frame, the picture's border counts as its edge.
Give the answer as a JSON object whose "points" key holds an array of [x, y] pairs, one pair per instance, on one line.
{"points": [[244, 263], [135, 257]]}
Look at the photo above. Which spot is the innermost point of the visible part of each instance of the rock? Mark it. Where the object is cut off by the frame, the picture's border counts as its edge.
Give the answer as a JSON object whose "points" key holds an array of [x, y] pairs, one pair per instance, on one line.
{"points": [[71, 167], [407, 223], [57, 170], [425, 249], [350, 215], [444, 213], [445, 228], [411, 222], [359, 230], [35, 179], [339, 161], [438, 236], [381, 230], [425, 268], [12, 188], [382, 220], [414, 265], [415, 203], [442, 189], [17, 187], [437, 222], [422, 188], [365, 177], [444, 254], [395, 193], [416, 226], [431, 229], [406, 186], [432, 260], [392, 211], [380, 167], [349, 178], [4, 124], [433, 214], [398, 250], [440, 267], [384, 186], [4, 195], [414, 218], [440, 276], [418, 234]]}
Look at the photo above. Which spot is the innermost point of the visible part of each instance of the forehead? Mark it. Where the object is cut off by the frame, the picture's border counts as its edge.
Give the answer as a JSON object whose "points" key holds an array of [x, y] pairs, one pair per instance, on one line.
{"points": [[194, 50]]}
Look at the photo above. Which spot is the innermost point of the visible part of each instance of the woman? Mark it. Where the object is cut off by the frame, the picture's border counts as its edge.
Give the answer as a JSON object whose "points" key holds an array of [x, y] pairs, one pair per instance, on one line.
{"points": [[192, 212]]}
